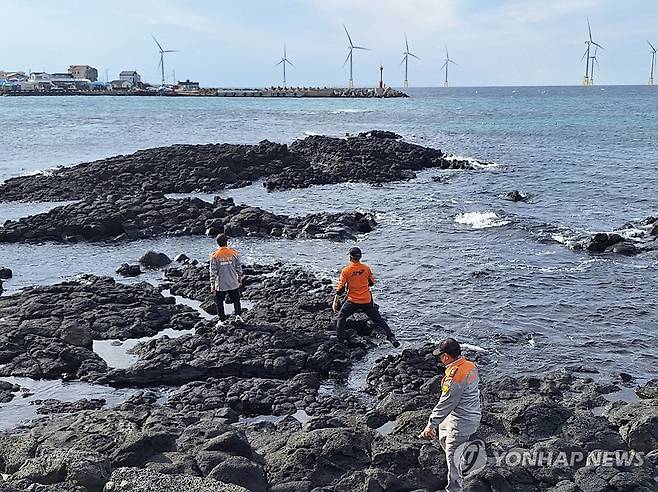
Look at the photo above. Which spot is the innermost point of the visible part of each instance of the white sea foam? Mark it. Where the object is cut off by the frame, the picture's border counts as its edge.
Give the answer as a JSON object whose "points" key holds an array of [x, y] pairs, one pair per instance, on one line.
{"points": [[350, 110], [473, 162], [475, 348], [481, 220]]}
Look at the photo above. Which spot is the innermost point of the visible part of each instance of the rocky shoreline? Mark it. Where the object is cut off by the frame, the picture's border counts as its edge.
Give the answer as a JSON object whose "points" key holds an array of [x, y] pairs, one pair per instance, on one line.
{"points": [[207, 434], [372, 157], [143, 216]]}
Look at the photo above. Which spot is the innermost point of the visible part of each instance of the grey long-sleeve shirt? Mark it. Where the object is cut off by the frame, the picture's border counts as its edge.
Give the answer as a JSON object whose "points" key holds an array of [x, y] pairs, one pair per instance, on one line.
{"points": [[225, 269], [458, 408]]}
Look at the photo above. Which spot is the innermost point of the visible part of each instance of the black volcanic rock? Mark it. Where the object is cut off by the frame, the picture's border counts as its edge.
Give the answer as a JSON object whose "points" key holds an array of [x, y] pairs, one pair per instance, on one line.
{"points": [[48, 331], [154, 215], [373, 157]]}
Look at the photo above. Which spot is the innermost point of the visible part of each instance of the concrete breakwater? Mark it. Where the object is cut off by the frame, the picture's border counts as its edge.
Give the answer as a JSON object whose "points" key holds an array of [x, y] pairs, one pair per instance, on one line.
{"points": [[233, 92]]}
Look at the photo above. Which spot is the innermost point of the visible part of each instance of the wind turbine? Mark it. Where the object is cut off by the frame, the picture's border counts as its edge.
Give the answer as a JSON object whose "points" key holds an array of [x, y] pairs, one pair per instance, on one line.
{"points": [[162, 53], [594, 59], [653, 62], [283, 62], [405, 60], [445, 65], [587, 80], [351, 47]]}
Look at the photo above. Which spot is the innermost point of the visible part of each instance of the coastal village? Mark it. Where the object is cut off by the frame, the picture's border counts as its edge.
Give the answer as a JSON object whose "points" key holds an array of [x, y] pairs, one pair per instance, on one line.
{"points": [[83, 80]]}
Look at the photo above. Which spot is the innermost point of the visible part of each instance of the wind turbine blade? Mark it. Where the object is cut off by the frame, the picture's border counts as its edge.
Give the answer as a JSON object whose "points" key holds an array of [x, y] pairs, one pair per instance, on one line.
{"points": [[277, 64], [406, 43], [348, 36], [403, 59], [454, 63], [652, 48], [348, 58], [361, 48], [290, 63], [411, 54], [447, 56], [171, 51], [156, 42], [159, 63], [584, 55], [597, 44], [589, 28], [444, 65]]}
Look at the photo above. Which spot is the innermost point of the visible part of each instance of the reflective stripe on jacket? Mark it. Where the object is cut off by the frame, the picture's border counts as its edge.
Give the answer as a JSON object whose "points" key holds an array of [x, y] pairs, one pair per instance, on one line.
{"points": [[357, 278], [458, 408], [225, 269]]}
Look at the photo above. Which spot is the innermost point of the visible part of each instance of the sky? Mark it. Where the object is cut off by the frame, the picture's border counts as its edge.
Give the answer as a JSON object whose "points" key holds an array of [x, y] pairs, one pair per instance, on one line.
{"points": [[237, 43]]}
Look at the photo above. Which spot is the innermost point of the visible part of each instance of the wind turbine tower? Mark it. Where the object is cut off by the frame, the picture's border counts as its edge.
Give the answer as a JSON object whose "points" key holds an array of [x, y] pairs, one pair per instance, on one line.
{"points": [[283, 62], [161, 64], [594, 59], [405, 60], [587, 80], [653, 62], [446, 62], [349, 58]]}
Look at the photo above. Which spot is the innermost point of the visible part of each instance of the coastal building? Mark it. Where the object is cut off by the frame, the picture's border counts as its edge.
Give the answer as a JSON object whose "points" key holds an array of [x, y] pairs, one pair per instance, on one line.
{"points": [[187, 86], [131, 76], [13, 76], [37, 81], [119, 85], [84, 72]]}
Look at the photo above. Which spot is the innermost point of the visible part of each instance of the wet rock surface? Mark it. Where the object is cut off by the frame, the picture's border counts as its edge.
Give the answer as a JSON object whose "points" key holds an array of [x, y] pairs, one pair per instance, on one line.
{"points": [[48, 331], [289, 331], [516, 196], [154, 215], [283, 363], [631, 239], [7, 391], [373, 157]]}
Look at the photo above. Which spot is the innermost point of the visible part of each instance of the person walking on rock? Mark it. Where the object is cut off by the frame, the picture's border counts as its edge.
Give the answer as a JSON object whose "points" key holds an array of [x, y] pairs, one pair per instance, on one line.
{"points": [[225, 277], [357, 279], [457, 414]]}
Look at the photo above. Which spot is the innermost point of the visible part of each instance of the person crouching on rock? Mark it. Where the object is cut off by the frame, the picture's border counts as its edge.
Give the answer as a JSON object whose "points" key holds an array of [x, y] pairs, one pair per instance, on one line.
{"points": [[357, 278], [457, 414], [225, 277]]}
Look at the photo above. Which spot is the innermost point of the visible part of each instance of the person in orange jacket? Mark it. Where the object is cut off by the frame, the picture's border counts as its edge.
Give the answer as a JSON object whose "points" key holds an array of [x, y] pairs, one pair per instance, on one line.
{"points": [[357, 278], [457, 415]]}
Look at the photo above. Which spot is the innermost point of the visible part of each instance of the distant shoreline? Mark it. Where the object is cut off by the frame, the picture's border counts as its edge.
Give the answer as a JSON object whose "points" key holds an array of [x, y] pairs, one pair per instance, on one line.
{"points": [[326, 92]]}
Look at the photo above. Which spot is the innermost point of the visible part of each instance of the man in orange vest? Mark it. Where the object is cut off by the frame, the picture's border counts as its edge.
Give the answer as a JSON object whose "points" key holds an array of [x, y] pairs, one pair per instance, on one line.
{"points": [[225, 277], [357, 278], [457, 414]]}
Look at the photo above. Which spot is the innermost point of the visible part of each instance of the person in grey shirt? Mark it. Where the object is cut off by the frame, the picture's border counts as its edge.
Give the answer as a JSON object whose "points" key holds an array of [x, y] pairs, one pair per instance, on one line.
{"points": [[457, 414], [225, 277]]}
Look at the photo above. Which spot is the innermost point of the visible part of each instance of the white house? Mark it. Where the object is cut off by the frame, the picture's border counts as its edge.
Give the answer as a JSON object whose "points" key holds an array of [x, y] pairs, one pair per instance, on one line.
{"points": [[131, 76]]}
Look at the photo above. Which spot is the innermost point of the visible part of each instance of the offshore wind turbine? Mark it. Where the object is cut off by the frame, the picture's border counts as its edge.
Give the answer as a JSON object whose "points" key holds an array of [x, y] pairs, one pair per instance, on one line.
{"points": [[653, 63], [594, 59], [405, 60], [349, 58], [283, 62], [162, 53], [589, 43], [445, 66]]}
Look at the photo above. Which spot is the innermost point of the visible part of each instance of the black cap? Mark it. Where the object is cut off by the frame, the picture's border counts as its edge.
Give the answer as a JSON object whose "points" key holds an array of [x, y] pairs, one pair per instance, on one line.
{"points": [[355, 253], [448, 346]]}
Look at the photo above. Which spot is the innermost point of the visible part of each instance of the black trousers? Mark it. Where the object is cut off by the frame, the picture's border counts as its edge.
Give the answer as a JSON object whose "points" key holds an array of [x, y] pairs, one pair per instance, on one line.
{"points": [[234, 296], [349, 308]]}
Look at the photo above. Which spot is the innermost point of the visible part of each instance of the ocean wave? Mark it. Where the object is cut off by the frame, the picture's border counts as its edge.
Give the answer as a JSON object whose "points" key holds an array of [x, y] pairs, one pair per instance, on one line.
{"points": [[481, 220], [472, 161], [350, 110]]}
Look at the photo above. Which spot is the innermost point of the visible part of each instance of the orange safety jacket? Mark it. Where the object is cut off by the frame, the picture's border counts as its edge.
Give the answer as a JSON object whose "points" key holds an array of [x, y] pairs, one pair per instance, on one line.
{"points": [[357, 278], [458, 409]]}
